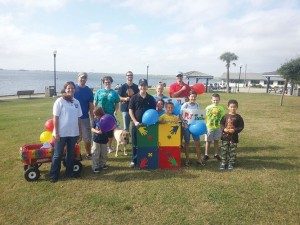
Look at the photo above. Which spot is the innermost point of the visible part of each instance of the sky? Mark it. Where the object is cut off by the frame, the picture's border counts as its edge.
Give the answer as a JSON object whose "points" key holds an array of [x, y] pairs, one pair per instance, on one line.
{"points": [[169, 36]]}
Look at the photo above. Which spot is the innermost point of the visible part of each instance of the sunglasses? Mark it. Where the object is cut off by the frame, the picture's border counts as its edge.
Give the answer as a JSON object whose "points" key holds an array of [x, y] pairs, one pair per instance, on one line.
{"points": [[108, 82]]}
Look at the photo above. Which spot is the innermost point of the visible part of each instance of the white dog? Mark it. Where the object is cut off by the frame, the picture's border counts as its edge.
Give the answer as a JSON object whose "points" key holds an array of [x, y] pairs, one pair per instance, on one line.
{"points": [[122, 138]]}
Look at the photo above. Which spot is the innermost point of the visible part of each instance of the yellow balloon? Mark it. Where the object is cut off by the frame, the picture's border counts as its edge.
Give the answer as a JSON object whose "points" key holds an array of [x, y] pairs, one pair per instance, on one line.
{"points": [[46, 136]]}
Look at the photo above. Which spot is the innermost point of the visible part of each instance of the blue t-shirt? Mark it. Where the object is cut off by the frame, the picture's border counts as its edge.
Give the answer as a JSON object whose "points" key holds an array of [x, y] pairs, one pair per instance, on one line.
{"points": [[107, 100], [85, 96]]}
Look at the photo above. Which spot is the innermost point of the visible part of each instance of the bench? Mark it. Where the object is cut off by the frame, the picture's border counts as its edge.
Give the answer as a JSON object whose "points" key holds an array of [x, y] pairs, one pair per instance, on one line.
{"points": [[25, 92]]}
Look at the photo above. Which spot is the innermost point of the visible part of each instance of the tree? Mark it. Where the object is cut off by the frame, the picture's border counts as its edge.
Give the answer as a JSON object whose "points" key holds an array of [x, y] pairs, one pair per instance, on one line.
{"points": [[228, 57], [290, 71]]}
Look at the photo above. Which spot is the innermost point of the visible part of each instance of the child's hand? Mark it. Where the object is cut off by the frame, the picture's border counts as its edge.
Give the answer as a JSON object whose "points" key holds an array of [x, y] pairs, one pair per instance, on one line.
{"points": [[162, 121], [100, 131]]}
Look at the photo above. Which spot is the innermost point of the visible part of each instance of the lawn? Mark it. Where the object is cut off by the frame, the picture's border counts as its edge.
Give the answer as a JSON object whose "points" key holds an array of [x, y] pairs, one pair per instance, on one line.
{"points": [[263, 188]]}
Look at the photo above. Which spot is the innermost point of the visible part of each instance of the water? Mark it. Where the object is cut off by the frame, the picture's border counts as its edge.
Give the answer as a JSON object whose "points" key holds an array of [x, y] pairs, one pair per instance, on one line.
{"points": [[12, 81]]}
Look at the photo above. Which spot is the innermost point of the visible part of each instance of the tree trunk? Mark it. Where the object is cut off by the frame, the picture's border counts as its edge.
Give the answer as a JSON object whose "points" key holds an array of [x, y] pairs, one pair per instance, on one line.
{"points": [[283, 91], [227, 78]]}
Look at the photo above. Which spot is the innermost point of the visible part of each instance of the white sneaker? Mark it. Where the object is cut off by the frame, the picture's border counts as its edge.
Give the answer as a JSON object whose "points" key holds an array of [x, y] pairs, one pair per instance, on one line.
{"points": [[132, 165], [109, 149]]}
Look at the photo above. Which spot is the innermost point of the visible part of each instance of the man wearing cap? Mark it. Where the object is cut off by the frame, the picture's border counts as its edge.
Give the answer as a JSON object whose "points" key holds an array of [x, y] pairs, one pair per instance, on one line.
{"points": [[85, 96], [126, 91], [139, 103], [179, 89]]}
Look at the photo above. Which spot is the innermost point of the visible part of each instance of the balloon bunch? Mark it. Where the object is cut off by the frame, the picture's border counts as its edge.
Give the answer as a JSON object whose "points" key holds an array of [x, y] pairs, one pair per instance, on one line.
{"points": [[46, 136]]}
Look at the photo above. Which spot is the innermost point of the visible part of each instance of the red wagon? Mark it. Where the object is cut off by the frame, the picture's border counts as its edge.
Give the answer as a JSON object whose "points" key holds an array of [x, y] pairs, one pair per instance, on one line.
{"points": [[33, 156]]}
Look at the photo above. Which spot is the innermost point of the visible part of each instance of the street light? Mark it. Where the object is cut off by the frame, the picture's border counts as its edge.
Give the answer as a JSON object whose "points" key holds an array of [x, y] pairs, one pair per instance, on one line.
{"points": [[54, 54], [238, 89], [245, 84], [147, 73]]}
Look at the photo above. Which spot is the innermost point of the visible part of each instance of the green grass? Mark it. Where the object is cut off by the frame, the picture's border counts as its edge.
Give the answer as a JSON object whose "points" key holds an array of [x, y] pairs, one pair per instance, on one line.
{"points": [[263, 189]]}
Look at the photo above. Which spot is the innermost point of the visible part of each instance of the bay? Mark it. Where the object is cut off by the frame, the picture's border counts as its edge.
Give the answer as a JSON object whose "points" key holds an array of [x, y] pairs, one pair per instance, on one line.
{"points": [[13, 80]]}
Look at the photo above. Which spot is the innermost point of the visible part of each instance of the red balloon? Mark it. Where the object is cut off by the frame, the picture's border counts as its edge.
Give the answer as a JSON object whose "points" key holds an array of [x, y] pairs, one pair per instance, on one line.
{"points": [[199, 88], [49, 125]]}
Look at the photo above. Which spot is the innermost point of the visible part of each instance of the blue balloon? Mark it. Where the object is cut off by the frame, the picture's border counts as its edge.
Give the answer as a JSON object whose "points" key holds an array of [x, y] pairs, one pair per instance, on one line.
{"points": [[150, 117], [177, 108], [198, 128]]}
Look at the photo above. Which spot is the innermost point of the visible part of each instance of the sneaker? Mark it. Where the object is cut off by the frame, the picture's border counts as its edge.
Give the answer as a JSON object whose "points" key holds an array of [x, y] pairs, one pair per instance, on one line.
{"points": [[187, 163], [132, 165], [88, 156], [200, 163], [105, 167], [53, 180], [217, 157], [205, 157], [109, 149], [230, 167], [222, 166], [96, 170]]}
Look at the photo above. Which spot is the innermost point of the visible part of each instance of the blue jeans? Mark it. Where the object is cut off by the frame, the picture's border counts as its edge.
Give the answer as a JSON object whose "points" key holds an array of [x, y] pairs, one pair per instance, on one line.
{"points": [[134, 144], [58, 151], [126, 120]]}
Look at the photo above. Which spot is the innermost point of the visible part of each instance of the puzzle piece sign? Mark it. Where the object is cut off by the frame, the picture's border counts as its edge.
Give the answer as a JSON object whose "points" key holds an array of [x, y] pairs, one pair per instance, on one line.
{"points": [[190, 115]]}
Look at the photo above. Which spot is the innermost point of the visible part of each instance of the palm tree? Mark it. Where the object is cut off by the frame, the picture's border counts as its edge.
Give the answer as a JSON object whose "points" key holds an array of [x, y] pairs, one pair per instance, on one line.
{"points": [[228, 57]]}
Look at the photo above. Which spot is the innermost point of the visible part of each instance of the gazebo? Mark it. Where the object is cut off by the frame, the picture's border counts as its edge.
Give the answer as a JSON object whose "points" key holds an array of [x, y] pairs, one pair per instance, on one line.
{"points": [[198, 76]]}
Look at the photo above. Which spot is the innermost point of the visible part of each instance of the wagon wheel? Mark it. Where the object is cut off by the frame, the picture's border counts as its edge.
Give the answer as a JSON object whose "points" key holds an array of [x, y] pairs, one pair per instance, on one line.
{"points": [[77, 167], [32, 174], [25, 167]]}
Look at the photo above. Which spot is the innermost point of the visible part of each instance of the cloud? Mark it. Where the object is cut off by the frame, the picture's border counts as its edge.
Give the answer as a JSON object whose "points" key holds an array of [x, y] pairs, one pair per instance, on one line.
{"points": [[48, 5], [179, 35], [131, 28]]}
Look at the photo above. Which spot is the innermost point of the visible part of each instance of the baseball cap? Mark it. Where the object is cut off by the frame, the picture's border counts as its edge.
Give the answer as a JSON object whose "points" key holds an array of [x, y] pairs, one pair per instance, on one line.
{"points": [[82, 74], [179, 75], [143, 82]]}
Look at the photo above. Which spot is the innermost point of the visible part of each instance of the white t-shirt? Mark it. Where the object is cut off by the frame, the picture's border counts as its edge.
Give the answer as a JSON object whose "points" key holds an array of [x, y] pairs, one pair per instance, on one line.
{"points": [[68, 114], [187, 105]]}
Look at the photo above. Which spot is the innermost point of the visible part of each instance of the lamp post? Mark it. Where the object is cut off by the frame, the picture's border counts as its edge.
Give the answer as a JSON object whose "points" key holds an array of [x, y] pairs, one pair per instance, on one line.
{"points": [[147, 73], [54, 54], [245, 76], [238, 88]]}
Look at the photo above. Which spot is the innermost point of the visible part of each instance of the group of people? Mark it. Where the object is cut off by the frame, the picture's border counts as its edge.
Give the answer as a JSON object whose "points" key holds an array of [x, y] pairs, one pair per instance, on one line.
{"points": [[77, 107]]}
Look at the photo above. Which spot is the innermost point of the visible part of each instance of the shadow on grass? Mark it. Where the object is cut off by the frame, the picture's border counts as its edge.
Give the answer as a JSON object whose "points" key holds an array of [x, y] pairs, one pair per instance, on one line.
{"points": [[259, 148], [123, 174], [266, 162], [119, 170]]}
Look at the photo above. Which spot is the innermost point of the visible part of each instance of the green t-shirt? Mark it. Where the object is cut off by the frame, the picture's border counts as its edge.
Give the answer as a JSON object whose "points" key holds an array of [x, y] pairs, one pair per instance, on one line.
{"points": [[214, 114]]}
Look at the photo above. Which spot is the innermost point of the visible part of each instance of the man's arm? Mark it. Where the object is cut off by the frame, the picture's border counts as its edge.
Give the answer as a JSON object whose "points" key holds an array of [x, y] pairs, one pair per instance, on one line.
{"points": [[91, 109], [131, 113]]}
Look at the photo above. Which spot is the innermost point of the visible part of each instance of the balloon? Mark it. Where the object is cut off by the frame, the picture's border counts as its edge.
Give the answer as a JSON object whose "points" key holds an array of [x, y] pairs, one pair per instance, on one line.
{"points": [[107, 123], [150, 117], [199, 88], [177, 108], [49, 125], [46, 136], [197, 128]]}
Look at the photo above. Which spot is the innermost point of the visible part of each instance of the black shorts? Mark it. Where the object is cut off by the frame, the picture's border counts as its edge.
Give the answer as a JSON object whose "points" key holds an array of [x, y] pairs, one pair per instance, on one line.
{"points": [[110, 134]]}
